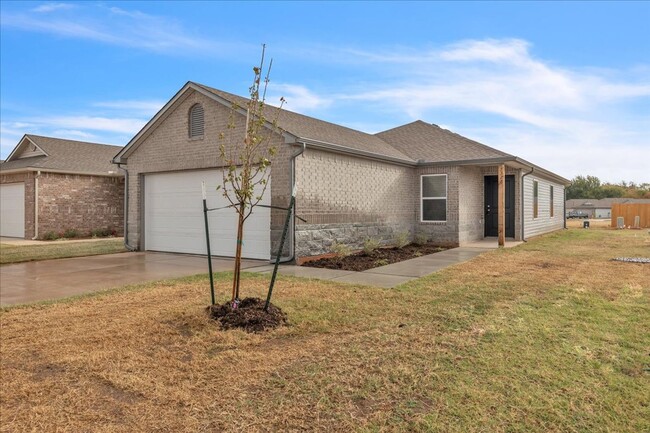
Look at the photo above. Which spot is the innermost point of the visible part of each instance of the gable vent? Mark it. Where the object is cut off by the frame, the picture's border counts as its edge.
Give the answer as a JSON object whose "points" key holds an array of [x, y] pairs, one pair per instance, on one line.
{"points": [[196, 121]]}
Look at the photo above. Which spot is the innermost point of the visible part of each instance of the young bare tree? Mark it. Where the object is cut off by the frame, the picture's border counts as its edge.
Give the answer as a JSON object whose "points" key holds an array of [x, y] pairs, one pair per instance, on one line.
{"points": [[247, 158]]}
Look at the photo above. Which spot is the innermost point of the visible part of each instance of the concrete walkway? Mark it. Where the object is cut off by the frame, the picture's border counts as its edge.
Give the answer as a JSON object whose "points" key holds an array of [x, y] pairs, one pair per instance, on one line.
{"points": [[51, 279]]}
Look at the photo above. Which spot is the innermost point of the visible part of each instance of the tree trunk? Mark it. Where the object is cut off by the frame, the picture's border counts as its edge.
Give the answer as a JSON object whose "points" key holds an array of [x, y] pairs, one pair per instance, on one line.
{"points": [[238, 253]]}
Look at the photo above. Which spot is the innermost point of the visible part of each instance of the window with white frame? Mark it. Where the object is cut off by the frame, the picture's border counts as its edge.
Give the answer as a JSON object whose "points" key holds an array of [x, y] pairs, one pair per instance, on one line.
{"points": [[196, 121], [433, 197]]}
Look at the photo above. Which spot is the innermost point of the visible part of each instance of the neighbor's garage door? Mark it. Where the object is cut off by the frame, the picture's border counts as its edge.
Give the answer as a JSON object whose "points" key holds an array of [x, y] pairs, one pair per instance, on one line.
{"points": [[12, 210], [173, 210]]}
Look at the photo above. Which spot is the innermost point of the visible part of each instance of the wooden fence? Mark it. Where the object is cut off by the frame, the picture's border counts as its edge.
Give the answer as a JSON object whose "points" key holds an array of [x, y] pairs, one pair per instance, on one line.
{"points": [[629, 212]]}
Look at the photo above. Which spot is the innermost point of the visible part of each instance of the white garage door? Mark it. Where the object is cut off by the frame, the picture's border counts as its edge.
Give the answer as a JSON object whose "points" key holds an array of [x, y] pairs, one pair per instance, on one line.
{"points": [[12, 210], [174, 217]]}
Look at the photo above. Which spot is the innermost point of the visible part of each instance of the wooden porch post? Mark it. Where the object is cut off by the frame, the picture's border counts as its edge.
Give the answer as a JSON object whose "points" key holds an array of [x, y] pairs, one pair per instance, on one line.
{"points": [[501, 214]]}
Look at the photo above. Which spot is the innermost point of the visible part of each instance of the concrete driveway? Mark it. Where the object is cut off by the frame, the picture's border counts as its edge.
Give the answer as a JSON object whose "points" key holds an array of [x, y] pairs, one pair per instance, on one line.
{"points": [[22, 283]]}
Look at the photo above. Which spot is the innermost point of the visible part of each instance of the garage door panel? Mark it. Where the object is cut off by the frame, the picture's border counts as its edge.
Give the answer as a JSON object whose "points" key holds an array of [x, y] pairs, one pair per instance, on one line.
{"points": [[174, 217], [12, 210]]}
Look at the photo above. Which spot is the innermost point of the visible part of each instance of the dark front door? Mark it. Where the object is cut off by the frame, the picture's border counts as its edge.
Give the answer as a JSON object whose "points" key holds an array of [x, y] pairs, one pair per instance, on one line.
{"points": [[492, 205]]}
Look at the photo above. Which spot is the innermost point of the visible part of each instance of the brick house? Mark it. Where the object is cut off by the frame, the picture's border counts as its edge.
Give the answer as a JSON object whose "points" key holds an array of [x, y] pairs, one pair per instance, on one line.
{"points": [[416, 178], [52, 185]]}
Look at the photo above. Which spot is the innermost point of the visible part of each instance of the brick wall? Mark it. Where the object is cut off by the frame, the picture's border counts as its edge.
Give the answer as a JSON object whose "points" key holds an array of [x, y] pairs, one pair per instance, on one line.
{"points": [[444, 233], [71, 201], [169, 148], [348, 199], [28, 179], [471, 216], [80, 202]]}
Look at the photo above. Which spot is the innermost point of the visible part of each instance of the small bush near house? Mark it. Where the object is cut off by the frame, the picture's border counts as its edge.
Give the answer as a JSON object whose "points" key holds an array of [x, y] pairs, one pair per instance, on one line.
{"points": [[370, 245], [402, 239], [420, 239], [341, 250], [50, 236], [103, 233], [71, 233]]}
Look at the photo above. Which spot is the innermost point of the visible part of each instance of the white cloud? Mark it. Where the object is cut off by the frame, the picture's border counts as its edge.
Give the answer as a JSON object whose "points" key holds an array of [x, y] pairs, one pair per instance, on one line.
{"points": [[112, 26], [298, 98], [572, 121], [111, 130], [144, 107], [74, 134], [51, 7], [93, 123]]}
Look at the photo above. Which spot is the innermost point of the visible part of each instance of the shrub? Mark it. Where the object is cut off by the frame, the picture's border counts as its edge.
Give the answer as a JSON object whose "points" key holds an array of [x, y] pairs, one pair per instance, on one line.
{"points": [[381, 262], [417, 254], [70, 233], [420, 239], [370, 245], [50, 236], [341, 250], [402, 239], [102, 233]]}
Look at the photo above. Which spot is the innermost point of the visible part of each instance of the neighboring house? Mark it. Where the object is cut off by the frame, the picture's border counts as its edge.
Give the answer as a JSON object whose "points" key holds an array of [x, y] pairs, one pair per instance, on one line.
{"points": [[599, 208], [416, 178], [52, 185]]}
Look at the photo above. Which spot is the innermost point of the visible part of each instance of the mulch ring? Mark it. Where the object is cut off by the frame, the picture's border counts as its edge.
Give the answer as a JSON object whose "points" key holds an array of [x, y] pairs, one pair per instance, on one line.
{"points": [[380, 257], [249, 315]]}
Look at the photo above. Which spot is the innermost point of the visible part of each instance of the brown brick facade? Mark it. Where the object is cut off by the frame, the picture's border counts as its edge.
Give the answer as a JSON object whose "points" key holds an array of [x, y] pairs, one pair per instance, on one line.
{"points": [[71, 201], [80, 202]]}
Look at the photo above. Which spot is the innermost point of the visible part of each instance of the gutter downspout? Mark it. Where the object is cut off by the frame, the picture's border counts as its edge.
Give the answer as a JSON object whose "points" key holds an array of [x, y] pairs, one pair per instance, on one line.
{"points": [[126, 208], [292, 178], [38, 175], [523, 219]]}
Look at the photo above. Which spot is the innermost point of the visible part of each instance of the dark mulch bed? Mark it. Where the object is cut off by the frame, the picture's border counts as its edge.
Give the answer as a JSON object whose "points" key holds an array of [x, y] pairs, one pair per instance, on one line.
{"points": [[383, 256], [249, 315]]}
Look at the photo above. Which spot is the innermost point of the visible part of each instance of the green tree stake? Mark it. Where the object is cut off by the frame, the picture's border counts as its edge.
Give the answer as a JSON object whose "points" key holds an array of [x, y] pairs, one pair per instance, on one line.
{"points": [[277, 258]]}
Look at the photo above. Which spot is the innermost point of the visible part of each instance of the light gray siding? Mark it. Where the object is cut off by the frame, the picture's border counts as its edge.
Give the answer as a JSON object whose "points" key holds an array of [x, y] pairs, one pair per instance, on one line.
{"points": [[544, 223]]}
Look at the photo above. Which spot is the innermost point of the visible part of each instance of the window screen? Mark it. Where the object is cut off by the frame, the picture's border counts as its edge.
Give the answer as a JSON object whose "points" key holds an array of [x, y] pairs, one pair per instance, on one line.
{"points": [[551, 203], [196, 121], [434, 197], [535, 199]]}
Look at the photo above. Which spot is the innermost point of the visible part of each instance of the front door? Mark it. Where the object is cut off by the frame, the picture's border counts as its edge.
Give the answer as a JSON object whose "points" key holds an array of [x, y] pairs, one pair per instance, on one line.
{"points": [[492, 205]]}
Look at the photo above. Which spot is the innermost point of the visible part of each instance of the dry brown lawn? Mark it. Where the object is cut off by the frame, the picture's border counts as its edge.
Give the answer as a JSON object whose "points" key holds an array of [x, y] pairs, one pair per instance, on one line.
{"points": [[550, 336]]}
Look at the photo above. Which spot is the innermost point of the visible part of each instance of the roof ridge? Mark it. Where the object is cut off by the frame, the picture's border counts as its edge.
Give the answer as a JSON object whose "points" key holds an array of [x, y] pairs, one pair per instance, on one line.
{"points": [[224, 94], [74, 141]]}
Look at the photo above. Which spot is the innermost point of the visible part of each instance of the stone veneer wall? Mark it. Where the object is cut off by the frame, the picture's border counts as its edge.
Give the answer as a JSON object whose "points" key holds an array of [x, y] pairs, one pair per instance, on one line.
{"points": [[347, 199], [80, 202]]}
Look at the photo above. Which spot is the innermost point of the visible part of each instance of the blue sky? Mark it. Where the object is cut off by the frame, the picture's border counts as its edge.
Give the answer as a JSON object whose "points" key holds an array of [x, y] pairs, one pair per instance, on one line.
{"points": [[563, 85]]}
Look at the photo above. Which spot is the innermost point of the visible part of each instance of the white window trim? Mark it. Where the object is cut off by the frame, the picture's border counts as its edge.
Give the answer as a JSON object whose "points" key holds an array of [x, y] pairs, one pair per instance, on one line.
{"points": [[422, 220]]}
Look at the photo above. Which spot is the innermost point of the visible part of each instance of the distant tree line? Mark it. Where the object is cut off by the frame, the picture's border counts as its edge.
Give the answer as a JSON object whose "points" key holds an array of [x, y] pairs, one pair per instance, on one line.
{"points": [[591, 187]]}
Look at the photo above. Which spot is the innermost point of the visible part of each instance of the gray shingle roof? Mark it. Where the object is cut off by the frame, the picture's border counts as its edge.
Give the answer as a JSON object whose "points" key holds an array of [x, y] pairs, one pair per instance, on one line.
{"points": [[310, 128], [421, 140], [67, 155]]}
